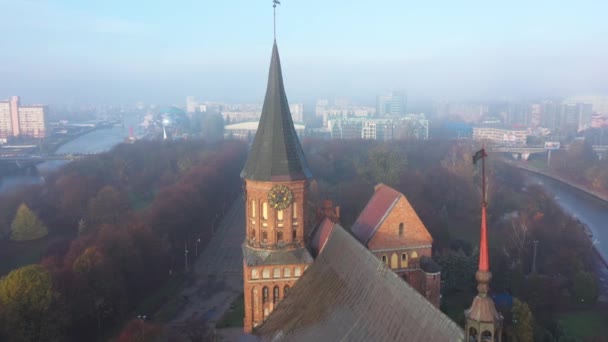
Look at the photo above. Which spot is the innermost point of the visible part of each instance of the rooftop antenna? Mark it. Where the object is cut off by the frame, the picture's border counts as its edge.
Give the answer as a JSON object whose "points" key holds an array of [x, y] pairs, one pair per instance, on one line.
{"points": [[274, 12]]}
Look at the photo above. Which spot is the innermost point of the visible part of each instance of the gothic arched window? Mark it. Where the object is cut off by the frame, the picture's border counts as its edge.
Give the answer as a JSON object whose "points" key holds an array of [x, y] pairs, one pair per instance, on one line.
{"points": [[275, 294], [265, 295]]}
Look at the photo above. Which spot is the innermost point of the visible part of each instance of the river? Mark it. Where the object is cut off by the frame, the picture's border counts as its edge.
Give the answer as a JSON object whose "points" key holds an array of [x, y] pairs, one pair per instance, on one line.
{"points": [[590, 210], [100, 140]]}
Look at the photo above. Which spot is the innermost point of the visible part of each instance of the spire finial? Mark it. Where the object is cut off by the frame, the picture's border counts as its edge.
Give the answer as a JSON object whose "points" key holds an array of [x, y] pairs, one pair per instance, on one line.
{"points": [[274, 10]]}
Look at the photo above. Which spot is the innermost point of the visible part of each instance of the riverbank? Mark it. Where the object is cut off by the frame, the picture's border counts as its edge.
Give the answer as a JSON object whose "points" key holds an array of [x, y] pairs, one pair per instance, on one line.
{"points": [[603, 259], [553, 175]]}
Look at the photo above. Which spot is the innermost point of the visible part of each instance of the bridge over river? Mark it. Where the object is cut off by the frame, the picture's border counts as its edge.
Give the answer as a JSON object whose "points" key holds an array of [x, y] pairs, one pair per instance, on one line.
{"points": [[524, 152]]}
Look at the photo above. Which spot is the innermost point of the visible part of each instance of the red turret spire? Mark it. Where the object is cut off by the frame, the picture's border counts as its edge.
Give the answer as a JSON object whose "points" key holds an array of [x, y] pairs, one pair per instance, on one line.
{"points": [[484, 259]]}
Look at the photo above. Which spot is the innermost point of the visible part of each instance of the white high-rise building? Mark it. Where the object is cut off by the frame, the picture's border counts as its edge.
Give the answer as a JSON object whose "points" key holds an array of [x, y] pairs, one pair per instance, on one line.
{"points": [[17, 120], [297, 112], [191, 104]]}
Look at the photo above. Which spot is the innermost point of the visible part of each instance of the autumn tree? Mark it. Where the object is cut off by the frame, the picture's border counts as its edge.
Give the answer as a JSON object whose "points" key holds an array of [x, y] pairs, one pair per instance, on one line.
{"points": [[27, 300], [26, 225], [523, 322], [585, 288], [108, 206]]}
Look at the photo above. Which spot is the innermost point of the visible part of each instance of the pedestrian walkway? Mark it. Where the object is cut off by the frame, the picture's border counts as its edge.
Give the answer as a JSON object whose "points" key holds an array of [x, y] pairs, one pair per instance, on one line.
{"points": [[218, 273]]}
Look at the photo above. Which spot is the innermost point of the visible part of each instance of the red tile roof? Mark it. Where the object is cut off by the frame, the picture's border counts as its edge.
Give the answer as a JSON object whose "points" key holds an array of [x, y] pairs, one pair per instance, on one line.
{"points": [[375, 212], [320, 236]]}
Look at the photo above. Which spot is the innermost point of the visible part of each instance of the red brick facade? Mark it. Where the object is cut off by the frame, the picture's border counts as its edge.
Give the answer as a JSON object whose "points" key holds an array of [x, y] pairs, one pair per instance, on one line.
{"points": [[390, 228], [271, 231]]}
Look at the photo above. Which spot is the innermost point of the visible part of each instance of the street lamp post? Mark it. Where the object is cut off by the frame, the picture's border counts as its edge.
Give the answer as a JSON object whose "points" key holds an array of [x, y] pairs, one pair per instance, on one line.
{"points": [[142, 319], [186, 255]]}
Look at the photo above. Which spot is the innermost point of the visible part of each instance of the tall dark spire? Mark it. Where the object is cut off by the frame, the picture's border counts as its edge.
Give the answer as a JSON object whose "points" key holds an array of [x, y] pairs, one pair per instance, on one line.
{"points": [[276, 153]]}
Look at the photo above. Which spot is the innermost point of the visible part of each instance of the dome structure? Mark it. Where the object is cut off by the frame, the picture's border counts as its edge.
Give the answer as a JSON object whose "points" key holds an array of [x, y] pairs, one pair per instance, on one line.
{"points": [[171, 117]]}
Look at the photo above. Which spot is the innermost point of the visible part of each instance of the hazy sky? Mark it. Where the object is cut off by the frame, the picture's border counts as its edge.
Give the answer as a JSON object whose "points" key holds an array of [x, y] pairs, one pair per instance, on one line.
{"points": [[115, 51]]}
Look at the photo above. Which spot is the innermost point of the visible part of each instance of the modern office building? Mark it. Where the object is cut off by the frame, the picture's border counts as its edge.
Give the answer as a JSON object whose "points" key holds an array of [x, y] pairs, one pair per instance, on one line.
{"points": [[391, 104]]}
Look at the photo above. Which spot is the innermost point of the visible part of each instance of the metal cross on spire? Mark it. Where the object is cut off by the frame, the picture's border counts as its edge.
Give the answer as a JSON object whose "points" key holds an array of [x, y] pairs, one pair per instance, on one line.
{"points": [[274, 10]]}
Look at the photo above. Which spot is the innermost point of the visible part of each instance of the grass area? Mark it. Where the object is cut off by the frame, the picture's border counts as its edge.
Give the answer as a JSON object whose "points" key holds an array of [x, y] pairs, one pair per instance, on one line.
{"points": [[139, 203], [585, 323], [17, 254], [539, 164], [165, 302], [234, 316]]}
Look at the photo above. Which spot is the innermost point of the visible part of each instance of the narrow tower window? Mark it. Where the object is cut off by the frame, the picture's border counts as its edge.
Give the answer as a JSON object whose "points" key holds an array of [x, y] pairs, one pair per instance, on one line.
{"points": [[401, 229], [265, 294], [253, 208], [275, 297], [294, 214], [265, 211], [280, 215]]}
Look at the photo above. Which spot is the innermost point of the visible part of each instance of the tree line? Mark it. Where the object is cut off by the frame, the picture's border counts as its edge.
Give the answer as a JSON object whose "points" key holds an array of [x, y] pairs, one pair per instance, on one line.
{"points": [[580, 163], [117, 225]]}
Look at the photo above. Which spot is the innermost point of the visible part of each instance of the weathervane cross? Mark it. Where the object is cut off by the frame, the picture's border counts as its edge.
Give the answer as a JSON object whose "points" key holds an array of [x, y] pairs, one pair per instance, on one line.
{"points": [[274, 9]]}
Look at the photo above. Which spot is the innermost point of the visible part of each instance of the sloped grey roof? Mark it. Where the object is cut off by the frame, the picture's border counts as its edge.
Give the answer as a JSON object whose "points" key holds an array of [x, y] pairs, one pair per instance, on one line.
{"points": [[255, 257], [276, 153], [347, 294]]}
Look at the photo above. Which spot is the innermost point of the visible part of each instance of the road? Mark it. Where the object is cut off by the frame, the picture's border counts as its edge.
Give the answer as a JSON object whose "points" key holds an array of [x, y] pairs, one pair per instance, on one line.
{"points": [[218, 273]]}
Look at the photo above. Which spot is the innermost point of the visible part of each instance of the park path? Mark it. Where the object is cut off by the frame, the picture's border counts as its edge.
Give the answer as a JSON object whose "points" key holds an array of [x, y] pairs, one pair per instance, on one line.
{"points": [[217, 273]]}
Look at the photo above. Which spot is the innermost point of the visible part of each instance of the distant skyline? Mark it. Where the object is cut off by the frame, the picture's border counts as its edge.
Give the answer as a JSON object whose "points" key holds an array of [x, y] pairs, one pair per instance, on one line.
{"points": [[120, 52]]}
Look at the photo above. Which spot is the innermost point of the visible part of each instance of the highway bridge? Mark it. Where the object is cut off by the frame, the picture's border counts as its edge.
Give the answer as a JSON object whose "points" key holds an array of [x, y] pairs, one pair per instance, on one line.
{"points": [[524, 152], [43, 157]]}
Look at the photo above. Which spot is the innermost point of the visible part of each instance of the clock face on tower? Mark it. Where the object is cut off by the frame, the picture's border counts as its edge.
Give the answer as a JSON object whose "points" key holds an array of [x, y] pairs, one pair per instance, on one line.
{"points": [[280, 197]]}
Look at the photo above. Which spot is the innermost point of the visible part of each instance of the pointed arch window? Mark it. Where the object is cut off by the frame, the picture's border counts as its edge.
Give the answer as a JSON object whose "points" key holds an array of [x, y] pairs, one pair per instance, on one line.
{"points": [[384, 259], [275, 295], [404, 260], [265, 294], [279, 236]]}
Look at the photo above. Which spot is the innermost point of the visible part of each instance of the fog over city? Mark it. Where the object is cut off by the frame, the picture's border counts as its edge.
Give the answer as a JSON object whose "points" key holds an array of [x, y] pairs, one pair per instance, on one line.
{"points": [[118, 52]]}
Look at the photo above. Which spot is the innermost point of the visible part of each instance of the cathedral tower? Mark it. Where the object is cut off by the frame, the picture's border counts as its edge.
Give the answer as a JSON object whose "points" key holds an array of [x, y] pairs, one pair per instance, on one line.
{"points": [[483, 321], [276, 178]]}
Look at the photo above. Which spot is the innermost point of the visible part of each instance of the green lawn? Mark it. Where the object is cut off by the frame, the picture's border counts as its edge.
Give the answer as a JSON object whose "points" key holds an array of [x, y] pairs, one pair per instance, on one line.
{"points": [[585, 323], [234, 316], [16, 254]]}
